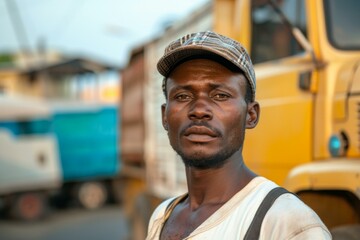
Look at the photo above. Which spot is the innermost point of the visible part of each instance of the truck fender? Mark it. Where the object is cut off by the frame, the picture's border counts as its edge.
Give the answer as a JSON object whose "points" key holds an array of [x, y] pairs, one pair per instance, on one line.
{"points": [[331, 188], [332, 174]]}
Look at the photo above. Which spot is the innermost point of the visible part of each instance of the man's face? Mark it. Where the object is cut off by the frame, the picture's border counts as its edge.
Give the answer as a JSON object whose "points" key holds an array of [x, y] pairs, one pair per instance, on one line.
{"points": [[206, 113]]}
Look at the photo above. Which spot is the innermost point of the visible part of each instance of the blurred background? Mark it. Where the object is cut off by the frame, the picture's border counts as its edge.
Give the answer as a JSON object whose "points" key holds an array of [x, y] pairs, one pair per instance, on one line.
{"points": [[61, 66], [83, 154]]}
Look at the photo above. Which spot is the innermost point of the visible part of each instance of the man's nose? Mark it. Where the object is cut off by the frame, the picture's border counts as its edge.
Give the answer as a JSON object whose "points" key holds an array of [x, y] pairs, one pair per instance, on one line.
{"points": [[200, 109]]}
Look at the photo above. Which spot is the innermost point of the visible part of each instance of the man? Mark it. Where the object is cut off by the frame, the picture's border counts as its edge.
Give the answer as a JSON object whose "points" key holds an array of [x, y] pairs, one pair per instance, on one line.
{"points": [[209, 85]]}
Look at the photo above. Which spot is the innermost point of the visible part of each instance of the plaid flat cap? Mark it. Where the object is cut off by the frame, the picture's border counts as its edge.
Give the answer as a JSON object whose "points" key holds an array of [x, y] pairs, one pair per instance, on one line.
{"points": [[207, 44]]}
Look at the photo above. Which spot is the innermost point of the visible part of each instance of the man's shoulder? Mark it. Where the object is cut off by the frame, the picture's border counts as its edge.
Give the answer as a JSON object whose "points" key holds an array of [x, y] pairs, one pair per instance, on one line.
{"points": [[289, 205], [288, 217], [161, 208], [294, 218], [166, 206]]}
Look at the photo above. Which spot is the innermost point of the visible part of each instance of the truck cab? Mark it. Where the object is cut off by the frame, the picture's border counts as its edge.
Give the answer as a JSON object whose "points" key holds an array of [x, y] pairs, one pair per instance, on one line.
{"points": [[29, 164]]}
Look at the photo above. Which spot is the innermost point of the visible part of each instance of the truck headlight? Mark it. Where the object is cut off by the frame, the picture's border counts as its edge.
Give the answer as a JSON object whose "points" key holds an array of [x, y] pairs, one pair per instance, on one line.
{"points": [[338, 144]]}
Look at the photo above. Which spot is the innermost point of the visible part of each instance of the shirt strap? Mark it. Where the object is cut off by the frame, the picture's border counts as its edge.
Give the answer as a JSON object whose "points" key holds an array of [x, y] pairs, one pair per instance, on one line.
{"points": [[172, 205], [253, 231]]}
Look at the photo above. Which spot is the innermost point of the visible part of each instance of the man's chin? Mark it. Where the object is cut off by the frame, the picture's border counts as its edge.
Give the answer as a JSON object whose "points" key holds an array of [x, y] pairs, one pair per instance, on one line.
{"points": [[204, 162], [206, 159]]}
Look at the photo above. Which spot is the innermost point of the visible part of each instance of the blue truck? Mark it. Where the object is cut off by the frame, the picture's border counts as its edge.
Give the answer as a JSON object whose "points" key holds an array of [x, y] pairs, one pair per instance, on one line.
{"points": [[87, 135]]}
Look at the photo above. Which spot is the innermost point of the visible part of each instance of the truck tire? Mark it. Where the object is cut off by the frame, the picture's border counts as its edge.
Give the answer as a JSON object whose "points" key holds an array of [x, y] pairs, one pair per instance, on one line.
{"points": [[348, 232], [91, 195], [29, 206]]}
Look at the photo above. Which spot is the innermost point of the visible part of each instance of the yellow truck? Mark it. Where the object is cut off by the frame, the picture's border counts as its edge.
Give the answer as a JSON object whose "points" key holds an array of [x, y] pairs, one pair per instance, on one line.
{"points": [[307, 63]]}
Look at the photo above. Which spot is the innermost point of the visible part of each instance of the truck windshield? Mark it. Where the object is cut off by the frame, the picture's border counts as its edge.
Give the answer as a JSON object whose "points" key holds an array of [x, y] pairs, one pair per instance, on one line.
{"points": [[342, 23]]}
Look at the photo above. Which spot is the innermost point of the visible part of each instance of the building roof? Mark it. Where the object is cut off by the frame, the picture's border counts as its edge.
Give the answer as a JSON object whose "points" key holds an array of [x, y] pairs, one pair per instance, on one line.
{"points": [[70, 66]]}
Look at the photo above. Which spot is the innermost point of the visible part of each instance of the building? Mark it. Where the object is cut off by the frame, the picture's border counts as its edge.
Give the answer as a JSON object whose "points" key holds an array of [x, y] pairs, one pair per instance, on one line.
{"points": [[72, 79]]}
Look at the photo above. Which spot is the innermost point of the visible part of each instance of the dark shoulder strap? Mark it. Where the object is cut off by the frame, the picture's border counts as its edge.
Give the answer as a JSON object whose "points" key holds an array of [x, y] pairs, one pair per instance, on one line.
{"points": [[170, 207], [253, 231]]}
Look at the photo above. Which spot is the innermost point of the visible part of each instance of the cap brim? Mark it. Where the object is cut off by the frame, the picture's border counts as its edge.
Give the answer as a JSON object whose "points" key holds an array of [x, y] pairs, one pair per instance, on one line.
{"points": [[168, 62]]}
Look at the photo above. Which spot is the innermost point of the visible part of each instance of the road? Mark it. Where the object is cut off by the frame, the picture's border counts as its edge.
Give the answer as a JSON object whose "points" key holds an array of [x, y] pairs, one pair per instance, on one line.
{"points": [[107, 223]]}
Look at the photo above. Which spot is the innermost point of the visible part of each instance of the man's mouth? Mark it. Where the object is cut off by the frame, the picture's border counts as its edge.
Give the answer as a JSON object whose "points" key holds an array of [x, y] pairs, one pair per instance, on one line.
{"points": [[200, 134]]}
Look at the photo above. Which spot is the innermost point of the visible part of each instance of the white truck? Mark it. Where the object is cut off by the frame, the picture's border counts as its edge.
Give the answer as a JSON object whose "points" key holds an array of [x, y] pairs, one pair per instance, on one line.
{"points": [[29, 164]]}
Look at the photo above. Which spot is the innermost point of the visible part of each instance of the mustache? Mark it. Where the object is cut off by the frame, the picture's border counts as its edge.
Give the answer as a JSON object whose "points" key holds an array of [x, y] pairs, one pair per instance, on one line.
{"points": [[201, 124]]}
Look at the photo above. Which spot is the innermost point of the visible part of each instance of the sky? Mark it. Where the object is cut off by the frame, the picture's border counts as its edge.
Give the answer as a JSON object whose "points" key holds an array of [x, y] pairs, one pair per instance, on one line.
{"points": [[103, 30]]}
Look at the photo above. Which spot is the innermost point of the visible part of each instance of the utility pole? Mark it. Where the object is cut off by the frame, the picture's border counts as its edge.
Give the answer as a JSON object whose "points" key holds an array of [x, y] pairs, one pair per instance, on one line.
{"points": [[19, 28]]}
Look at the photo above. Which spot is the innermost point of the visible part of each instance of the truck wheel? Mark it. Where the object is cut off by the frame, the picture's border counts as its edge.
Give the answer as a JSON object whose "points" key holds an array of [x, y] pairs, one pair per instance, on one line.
{"points": [[91, 195], [349, 232], [29, 206]]}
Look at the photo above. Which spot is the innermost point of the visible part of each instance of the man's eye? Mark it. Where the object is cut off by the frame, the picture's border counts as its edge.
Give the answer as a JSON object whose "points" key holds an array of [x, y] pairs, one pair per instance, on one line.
{"points": [[221, 96], [182, 97]]}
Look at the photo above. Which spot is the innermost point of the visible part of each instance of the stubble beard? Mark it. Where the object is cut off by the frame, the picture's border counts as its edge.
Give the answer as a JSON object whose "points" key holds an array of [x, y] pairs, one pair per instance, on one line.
{"points": [[201, 161]]}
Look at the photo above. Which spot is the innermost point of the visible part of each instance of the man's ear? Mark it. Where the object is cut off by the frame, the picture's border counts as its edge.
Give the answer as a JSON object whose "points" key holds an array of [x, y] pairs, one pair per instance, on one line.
{"points": [[253, 114], [163, 116]]}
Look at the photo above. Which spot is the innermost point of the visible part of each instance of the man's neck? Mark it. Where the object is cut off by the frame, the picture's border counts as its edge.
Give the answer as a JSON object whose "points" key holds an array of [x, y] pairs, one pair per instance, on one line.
{"points": [[218, 185]]}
